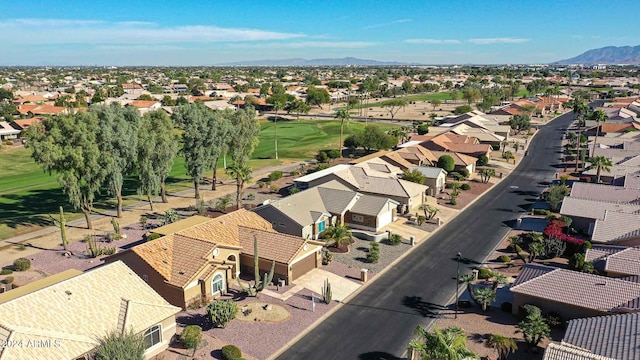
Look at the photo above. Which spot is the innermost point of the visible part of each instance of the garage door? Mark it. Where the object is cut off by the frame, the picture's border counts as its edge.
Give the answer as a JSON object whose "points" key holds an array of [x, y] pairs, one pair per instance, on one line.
{"points": [[303, 266], [385, 220]]}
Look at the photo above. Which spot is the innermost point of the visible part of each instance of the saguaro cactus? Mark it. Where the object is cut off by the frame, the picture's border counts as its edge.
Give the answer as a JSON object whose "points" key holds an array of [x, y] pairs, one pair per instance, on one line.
{"points": [[61, 222], [259, 282], [326, 292]]}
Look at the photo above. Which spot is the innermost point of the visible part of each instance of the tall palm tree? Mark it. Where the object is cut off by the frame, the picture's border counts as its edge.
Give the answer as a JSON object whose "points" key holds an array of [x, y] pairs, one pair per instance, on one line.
{"points": [[502, 344], [338, 234], [599, 116], [579, 110], [343, 116], [447, 344], [599, 163], [277, 105], [242, 174]]}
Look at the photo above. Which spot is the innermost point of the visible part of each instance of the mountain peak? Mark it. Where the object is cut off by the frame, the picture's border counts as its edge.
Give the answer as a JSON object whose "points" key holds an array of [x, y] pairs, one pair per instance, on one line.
{"points": [[607, 55]]}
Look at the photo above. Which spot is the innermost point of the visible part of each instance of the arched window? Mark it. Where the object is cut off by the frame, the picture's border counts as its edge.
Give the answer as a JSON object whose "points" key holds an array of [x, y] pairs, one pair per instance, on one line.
{"points": [[152, 336], [217, 284]]}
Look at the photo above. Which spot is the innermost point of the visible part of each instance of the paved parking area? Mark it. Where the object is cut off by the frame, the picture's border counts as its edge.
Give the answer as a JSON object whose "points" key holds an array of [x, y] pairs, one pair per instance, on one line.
{"points": [[340, 287]]}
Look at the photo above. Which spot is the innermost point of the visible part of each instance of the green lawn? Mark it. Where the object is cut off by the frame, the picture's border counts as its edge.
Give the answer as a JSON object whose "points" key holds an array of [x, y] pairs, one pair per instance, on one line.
{"points": [[28, 195]]}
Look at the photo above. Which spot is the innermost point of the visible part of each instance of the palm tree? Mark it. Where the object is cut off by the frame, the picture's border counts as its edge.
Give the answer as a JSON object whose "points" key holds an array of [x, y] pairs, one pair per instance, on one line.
{"points": [[242, 174], [579, 110], [497, 280], [600, 163], [502, 344], [599, 116], [276, 106], [533, 328], [485, 296], [429, 211], [339, 235], [342, 115], [447, 344]]}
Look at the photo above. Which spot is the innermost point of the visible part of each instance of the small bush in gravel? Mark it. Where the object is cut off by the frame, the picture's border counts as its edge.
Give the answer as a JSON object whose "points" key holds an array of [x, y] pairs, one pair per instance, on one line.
{"points": [[22, 247], [221, 312], [294, 173], [465, 187], [374, 253], [395, 239], [153, 236], [8, 280], [22, 264], [251, 196], [231, 352], [484, 273], [6, 272], [191, 337], [262, 184], [327, 257], [504, 258], [276, 175], [274, 188], [506, 307]]}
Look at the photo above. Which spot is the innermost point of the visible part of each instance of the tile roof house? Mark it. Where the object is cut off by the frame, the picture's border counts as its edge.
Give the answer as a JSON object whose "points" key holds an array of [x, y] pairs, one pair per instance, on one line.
{"points": [[564, 351], [574, 294], [198, 259], [585, 212], [603, 192], [613, 336], [617, 228], [435, 178], [86, 307], [308, 213], [463, 144], [369, 181]]}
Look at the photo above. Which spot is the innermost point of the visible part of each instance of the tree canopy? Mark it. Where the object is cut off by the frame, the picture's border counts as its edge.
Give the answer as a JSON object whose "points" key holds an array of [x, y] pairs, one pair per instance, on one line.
{"points": [[371, 138], [317, 96], [446, 162]]}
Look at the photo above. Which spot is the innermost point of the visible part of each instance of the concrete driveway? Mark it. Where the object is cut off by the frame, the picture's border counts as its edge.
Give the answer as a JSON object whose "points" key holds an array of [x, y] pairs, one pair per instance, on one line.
{"points": [[406, 231], [314, 281]]}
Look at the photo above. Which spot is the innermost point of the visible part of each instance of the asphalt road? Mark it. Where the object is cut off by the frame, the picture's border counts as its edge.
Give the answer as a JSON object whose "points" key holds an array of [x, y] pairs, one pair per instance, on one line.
{"points": [[379, 322]]}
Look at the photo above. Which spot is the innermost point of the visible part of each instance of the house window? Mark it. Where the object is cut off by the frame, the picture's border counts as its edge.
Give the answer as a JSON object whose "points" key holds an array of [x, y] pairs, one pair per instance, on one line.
{"points": [[152, 336], [145, 277], [322, 226], [217, 284]]}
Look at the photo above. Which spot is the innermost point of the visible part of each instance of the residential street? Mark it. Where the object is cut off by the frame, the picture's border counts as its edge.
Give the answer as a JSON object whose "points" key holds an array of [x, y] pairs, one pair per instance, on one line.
{"points": [[379, 322]]}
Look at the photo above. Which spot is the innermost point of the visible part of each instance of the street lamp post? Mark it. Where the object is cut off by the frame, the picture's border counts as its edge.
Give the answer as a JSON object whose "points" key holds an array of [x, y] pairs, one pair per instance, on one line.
{"points": [[459, 257]]}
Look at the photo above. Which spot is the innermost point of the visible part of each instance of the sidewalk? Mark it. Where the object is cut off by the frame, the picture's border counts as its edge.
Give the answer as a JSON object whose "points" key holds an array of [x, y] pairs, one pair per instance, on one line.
{"points": [[49, 238]]}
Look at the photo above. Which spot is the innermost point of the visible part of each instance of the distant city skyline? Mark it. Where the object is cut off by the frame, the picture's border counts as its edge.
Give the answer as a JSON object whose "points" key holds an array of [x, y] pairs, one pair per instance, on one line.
{"points": [[208, 33]]}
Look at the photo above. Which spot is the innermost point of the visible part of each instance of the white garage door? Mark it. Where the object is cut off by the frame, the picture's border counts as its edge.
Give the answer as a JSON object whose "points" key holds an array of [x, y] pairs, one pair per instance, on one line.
{"points": [[385, 219]]}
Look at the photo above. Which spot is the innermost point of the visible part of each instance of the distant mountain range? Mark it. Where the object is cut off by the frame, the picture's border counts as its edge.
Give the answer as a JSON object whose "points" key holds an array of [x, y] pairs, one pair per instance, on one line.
{"points": [[607, 55], [314, 62]]}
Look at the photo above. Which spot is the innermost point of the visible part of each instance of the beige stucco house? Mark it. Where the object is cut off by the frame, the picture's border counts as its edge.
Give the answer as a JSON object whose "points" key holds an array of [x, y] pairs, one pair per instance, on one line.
{"points": [[65, 316]]}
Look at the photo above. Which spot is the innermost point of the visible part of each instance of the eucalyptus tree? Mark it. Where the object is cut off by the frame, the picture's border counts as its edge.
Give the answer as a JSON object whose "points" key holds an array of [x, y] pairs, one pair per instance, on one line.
{"points": [[219, 130], [157, 149], [67, 145], [243, 136], [196, 142], [118, 142]]}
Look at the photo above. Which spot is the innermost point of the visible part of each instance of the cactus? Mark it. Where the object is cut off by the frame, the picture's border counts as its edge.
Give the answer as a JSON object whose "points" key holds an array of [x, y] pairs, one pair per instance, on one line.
{"points": [[259, 282], [63, 228], [116, 226], [326, 292], [93, 248]]}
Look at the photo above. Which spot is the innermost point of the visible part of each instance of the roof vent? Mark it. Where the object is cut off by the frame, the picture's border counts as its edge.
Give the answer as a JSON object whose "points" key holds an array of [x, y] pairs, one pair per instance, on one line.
{"points": [[601, 284], [181, 272], [165, 261], [165, 249], [68, 292]]}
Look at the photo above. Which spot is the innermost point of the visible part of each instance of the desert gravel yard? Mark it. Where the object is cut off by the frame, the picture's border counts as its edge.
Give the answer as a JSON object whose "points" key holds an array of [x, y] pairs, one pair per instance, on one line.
{"points": [[357, 256]]}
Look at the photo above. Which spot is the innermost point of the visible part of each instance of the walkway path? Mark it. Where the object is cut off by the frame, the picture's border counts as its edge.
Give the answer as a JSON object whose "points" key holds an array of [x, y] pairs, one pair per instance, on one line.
{"points": [[49, 237]]}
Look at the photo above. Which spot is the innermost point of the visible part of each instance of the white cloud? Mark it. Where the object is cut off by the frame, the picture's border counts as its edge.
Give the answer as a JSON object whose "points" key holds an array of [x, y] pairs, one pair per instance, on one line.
{"points": [[432, 41], [57, 31], [505, 40], [374, 26], [306, 44]]}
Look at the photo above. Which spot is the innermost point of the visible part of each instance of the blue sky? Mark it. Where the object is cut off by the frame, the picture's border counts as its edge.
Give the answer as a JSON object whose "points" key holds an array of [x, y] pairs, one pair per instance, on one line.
{"points": [[205, 32]]}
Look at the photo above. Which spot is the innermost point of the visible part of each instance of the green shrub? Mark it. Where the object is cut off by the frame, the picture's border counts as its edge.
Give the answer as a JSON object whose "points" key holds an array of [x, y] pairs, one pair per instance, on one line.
{"points": [[322, 157], [251, 196], [8, 280], [22, 247], [293, 190], [504, 258], [484, 273], [544, 212], [374, 253], [322, 166], [191, 336], [448, 186], [116, 345], [506, 307], [6, 272], [446, 162], [464, 172], [453, 201], [395, 239], [333, 154], [109, 251], [483, 160], [153, 236], [465, 187], [231, 352], [274, 188], [262, 184], [22, 264], [294, 173], [276, 175], [221, 312]]}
